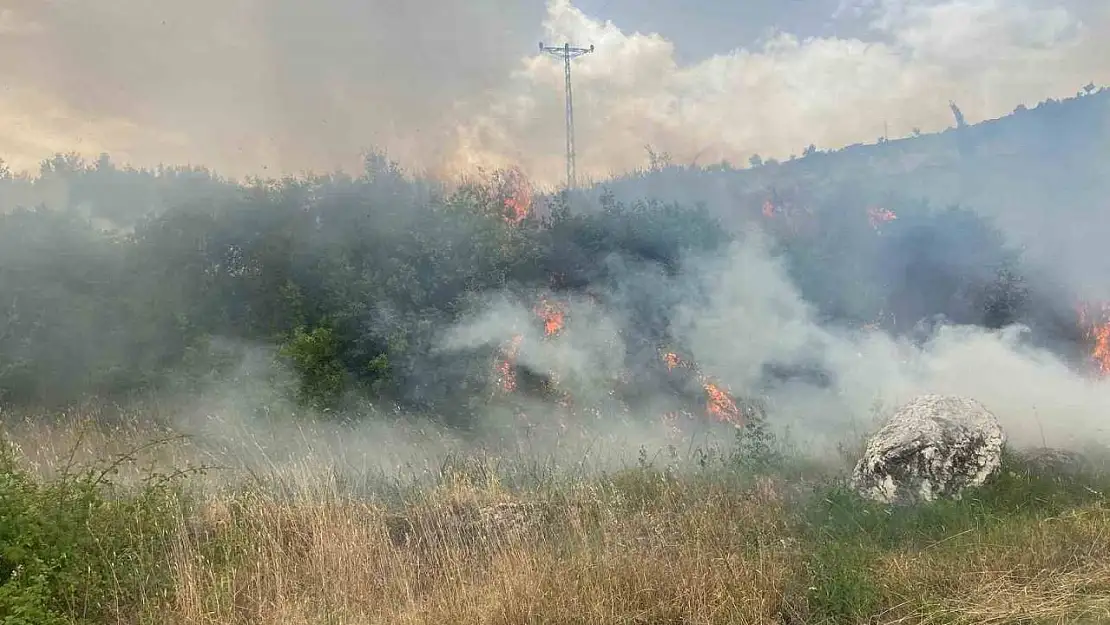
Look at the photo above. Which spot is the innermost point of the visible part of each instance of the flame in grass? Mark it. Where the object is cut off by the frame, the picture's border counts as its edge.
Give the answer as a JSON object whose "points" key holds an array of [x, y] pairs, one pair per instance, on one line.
{"points": [[553, 315], [517, 193], [789, 216], [719, 403], [505, 368], [1096, 327]]}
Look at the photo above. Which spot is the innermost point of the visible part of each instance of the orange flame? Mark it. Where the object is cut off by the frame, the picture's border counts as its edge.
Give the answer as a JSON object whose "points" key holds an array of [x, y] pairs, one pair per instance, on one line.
{"points": [[553, 315], [506, 364], [1097, 329], [1101, 351], [791, 216], [719, 404], [518, 195], [877, 216]]}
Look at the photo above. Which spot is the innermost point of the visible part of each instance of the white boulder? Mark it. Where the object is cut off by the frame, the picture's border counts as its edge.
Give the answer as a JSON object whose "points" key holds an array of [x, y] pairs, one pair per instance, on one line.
{"points": [[934, 446]]}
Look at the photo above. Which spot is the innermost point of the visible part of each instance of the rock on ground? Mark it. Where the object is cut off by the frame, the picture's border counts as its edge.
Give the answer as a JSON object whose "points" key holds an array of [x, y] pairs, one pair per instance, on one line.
{"points": [[1059, 462], [934, 446]]}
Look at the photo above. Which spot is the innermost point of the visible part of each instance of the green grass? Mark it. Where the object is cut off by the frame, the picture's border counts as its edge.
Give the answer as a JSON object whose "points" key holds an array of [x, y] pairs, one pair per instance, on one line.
{"points": [[853, 537], [721, 539]]}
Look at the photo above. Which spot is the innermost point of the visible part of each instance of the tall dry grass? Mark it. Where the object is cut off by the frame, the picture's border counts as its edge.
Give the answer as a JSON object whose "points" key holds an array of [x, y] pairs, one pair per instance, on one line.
{"points": [[712, 543]]}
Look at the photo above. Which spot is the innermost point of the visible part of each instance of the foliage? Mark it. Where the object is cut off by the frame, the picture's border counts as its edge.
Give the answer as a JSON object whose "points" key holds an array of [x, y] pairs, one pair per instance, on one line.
{"points": [[356, 279], [923, 262], [72, 552], [315, 356]]}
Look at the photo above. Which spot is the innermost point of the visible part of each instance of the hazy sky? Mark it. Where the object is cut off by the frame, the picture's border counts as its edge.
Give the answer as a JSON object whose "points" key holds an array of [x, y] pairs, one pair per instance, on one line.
{"points": [[447, 85], [701, 29]]}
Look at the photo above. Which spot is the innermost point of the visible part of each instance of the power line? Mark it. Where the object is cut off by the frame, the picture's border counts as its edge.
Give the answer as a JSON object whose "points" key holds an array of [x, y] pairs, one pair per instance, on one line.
{"points": [[567, 53]]}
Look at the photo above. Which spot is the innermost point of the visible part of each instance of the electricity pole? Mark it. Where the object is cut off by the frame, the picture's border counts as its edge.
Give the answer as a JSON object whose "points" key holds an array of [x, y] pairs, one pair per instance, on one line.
{"points": [[567, 53]]}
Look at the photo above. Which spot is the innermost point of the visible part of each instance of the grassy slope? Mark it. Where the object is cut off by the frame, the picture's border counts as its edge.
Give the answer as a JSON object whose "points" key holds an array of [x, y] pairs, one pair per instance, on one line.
{"points": [[496, 543], [712, 544], [1020, 168]]}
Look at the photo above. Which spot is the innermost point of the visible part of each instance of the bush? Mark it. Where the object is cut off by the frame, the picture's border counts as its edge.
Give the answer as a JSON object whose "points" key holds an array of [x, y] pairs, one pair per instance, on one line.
{"points": [[71, 552], [315, 357]]}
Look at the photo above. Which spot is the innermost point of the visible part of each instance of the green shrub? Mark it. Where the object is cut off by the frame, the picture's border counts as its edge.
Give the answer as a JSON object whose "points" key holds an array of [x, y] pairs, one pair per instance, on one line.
{"points": [[73, 551], [315, 357]]}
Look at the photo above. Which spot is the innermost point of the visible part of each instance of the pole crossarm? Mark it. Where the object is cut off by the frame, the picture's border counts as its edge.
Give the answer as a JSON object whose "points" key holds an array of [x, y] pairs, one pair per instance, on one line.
{"points": [[567, 53]]}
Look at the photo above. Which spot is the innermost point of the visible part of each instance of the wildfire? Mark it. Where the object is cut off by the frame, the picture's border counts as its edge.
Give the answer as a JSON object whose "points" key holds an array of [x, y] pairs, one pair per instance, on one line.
{"points": [[877, 216], [719, 404], [505, 368], [1097, 329], [791, 215], [518, 195], [553, 315]]}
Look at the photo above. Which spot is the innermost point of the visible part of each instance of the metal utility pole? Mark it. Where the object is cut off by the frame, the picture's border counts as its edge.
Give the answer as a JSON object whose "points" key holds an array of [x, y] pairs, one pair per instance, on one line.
{"points": [[567, 53]]}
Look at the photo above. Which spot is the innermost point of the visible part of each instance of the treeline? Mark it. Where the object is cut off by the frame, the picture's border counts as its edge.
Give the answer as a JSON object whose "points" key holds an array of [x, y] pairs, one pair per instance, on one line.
{"points": [[354, 279]]}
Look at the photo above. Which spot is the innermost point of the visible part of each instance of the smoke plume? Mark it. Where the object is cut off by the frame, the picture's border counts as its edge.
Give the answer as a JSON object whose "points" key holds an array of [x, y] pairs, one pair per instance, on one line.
{"points": [[751, 316], [281, 86]]}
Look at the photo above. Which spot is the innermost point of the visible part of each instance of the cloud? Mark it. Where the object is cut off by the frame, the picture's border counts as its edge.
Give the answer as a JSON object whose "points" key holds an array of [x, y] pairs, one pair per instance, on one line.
{"points": [[785, 93], [448, 86]]}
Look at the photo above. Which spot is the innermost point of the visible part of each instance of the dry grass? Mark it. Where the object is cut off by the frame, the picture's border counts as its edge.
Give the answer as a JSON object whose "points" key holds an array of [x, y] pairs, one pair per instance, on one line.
{"points": [[1052, 570], [638, 546], [468, 554]]}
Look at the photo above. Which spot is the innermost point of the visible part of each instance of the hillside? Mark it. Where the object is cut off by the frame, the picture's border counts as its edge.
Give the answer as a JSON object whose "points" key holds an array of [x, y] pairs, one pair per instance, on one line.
{"points": [[372, 284], [376, 398], [1042, 174]]}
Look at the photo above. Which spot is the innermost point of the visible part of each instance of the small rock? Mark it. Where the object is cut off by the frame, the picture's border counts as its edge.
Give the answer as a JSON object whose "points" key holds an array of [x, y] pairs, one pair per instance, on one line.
{"points": [[935, 446], [1049, 460]]}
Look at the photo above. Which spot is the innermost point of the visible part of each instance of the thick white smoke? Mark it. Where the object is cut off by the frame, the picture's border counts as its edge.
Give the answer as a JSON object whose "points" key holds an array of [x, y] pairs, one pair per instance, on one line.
{"points": [[755, 316]]}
